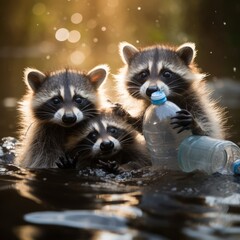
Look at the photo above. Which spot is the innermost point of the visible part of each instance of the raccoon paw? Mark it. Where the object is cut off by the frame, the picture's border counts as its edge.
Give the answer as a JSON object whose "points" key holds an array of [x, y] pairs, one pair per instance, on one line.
{"points": [[112, 166], [183, 120], [120, 111], [66, 162]]}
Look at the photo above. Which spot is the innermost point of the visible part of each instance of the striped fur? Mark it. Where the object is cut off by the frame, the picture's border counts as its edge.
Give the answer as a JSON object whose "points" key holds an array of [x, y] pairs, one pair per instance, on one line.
{"points": [[150, 66], [54, 104]]}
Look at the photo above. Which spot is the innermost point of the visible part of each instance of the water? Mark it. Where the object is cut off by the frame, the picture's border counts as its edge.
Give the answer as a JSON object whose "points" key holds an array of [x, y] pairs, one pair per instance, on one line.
{"points": [[146, 204], [159, 205]]}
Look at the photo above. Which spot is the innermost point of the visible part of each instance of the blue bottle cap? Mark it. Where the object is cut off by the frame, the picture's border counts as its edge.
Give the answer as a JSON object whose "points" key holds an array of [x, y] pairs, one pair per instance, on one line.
{"points": [[236, 167], [158, 97]]}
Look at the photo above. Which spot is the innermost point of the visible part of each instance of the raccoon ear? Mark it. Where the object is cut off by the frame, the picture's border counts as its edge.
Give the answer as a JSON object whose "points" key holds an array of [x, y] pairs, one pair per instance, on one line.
{"points": [[98, 75], [127, 51], [187, 52], [33, 78]]}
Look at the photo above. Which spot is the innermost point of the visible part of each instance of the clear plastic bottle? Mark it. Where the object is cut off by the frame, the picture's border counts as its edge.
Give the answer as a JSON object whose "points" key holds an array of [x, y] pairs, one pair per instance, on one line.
{"points": [[209, 155], [161, 139]]}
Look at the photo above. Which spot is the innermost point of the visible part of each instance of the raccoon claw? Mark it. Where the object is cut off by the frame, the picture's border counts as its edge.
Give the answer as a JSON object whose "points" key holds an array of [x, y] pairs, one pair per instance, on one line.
{"points": [[119, 110], [66, 162], [109, 166], [183, 120]]}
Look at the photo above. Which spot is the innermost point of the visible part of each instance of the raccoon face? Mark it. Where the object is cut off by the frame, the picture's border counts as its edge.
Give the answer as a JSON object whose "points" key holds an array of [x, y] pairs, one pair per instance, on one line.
{"points": [[102, 139], [158, 68], [65, 97]]}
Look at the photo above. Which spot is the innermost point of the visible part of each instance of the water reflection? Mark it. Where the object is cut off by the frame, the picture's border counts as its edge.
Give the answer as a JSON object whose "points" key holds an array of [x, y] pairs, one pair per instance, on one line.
{"points": [[166, 205]]}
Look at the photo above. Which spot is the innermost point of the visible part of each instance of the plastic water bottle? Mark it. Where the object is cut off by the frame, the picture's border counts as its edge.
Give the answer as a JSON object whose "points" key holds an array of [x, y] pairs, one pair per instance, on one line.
{"points": [[161, 139], [209, 155]]}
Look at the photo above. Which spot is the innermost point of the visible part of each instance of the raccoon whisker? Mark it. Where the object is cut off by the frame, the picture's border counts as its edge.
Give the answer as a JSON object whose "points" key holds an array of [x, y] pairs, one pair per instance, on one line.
{"points": [[135, 83], [83, 149], [175, 94], [126, 137], [29, 128], [136, 94]]}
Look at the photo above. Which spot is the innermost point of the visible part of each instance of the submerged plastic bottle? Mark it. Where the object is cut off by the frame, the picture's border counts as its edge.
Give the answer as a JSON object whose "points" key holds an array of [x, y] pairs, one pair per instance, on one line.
{"points": [[209, 155], [161, 139]]}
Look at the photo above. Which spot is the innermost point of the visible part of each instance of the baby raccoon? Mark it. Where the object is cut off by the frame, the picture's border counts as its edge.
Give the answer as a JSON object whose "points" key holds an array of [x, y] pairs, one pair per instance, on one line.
{"points": [[106, 141], [54, 104], [172, 70]]}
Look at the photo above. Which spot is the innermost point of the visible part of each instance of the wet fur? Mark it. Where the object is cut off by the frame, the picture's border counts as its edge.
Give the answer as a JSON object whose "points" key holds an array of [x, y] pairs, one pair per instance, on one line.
{"points": [[188, 90]]}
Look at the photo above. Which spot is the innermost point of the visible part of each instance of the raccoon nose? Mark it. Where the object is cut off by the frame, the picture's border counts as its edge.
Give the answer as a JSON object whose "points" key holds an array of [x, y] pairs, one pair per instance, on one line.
{"points": [[69, 118], [151, 89], [106, 146]]}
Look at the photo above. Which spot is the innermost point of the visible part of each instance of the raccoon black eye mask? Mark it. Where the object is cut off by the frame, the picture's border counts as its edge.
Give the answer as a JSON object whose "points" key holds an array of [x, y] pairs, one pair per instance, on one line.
{"points": [[172, 70], [54, 104]]}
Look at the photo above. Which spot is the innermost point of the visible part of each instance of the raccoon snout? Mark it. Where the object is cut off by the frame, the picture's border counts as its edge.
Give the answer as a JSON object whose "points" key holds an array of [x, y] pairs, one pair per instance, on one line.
{"points": [[69, 118], [106, 146], [151, 89]]}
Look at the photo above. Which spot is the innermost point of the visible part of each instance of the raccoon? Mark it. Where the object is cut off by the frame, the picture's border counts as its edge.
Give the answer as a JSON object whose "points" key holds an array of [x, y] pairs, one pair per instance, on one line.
{"points": [[171, 69], [106, 141], [54, 104]]}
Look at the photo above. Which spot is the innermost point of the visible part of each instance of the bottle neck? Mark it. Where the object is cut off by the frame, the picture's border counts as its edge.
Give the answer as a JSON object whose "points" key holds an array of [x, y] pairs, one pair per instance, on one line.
{"points": [[159, 101]]}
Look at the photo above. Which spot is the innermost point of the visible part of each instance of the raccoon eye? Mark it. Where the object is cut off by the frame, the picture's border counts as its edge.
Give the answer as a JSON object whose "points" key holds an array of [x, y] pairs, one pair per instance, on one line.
{"points": [[112, 130], [78, 99], [93, 136], [56, 100], [143, 75], [167, 74]]}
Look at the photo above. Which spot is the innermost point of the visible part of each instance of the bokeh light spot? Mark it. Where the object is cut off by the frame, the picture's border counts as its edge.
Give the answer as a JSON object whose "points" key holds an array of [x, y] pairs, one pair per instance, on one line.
{"points": [[77, 57], [39, 9], [62, 34], [92, 23], [95, 40], [74, 36], [76, 18]]}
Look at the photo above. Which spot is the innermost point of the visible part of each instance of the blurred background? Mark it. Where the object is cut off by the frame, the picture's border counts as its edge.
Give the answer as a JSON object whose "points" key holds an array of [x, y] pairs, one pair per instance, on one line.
{"points": [[51, 34]]}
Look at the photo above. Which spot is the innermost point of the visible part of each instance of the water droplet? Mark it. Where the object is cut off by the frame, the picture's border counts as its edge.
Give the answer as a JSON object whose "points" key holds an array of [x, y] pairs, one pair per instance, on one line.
{"points": [[62, 34], [76, 18], [139, 8]]}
